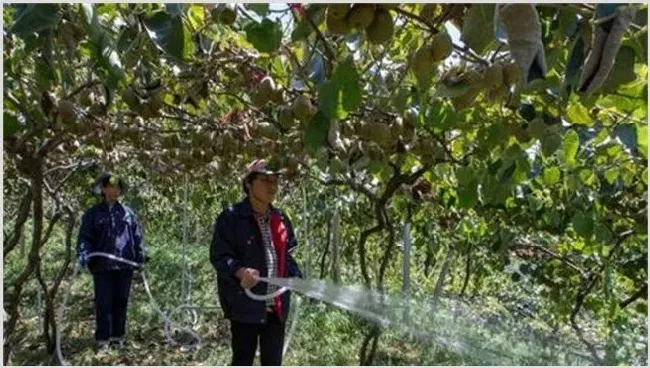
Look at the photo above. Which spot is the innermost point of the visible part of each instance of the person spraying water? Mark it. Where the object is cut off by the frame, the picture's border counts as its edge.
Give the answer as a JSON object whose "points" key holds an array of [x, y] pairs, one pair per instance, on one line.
{"points": [[110, 227], [254, 240]]}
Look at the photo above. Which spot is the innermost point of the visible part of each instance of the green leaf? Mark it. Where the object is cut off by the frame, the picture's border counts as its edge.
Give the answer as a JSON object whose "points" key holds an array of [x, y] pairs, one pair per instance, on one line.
{"points": [[623, 70], [572, 183], [523, 168], [567, 20], [576, 59], [265, 36], [537, 128], [506, 171], [583, 224], [10, 125], [551, 176], [571, 145], [578, 114], [550, 144], [33, 18], [495, 192], [348, 79], [342, 93], [442, 115], [642, 139], [468, 195], [301, 31], [103, 47], [260, 8], [109, 60], [465, 176], [478, 25], [44, 74], [170, 35], [196, 16], [587, 177], [331, 100], [611, 175], [644, 176], [316, 132], [603, 235]]}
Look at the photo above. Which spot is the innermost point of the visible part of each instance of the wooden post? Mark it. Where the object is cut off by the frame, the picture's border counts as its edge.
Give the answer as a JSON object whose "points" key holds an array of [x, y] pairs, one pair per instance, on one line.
{"points": [[336, 269]]}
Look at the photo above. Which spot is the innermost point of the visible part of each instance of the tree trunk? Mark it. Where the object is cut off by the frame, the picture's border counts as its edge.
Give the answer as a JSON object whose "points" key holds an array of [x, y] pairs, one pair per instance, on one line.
{"points": [[336, 266], [34, 259], [48, 315], [17, 234], [430, 260], [468, 265], [327, 247], [444, 270]]}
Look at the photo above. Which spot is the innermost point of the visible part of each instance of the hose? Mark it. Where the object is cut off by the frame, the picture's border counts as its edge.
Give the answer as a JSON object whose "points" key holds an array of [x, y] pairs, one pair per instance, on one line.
{"points": [[165, 317]]}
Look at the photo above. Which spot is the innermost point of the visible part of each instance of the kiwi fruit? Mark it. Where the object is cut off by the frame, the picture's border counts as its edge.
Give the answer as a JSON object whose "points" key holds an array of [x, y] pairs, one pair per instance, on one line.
{"points": [[67, 113], [382, 28], [131, 99], [464, 101], [337, 26], [380, 133], [493, 77], [442, 46], [361, 16], [338, 11], [511, 74], [302, 107], [285, 117], [423, 61], [266, 87], [227, 15]]}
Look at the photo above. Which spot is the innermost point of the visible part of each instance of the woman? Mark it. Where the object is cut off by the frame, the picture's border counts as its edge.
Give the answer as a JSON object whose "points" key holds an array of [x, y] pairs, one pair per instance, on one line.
{"points": [[110, 227], [253, 239]]}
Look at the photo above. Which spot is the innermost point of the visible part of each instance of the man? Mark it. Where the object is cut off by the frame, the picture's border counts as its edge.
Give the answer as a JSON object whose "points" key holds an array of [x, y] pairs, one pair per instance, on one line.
{"points": [[253, 239], [110, 227]]}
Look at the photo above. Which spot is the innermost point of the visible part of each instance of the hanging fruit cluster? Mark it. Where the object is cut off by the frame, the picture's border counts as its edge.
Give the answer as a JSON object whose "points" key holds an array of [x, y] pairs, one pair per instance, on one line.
{"points": [[373, 19], [494, 80]]}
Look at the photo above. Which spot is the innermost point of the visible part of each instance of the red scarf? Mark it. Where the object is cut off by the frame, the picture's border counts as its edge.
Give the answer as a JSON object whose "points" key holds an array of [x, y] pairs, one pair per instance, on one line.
{"points": [[279, 236]]}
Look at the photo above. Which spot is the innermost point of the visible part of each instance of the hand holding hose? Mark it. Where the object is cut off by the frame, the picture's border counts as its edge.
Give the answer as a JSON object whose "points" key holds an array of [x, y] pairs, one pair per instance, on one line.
{"points": [[249, 277], [83, 258]]}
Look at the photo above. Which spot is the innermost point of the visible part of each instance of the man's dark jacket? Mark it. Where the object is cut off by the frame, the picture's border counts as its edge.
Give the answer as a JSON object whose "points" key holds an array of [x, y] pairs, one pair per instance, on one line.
{"points": [[237, 243], [103, 229]]}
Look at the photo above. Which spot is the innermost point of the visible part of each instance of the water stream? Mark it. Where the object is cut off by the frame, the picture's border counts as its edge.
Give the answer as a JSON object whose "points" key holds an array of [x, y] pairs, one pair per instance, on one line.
{"points": [[448, 323]]}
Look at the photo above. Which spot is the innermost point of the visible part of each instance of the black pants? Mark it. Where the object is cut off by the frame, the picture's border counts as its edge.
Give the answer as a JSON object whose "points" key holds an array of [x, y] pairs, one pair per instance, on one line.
{"points": [[245, 337], [112, 289]]}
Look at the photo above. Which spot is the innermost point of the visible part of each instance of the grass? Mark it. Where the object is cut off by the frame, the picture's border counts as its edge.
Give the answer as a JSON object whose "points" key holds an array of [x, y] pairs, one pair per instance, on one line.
{"points": [[324, 335]]}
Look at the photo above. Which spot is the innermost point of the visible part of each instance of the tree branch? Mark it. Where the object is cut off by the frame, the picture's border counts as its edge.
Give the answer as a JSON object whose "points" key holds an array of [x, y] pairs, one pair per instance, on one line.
{"points": [[23, 215], [389, 249], [34, 258], [526, 242], [78, 90], [330, 54], [50, 228], [68, 167], [362, 252], [580, 298], [642, 292], [359, 188]]}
